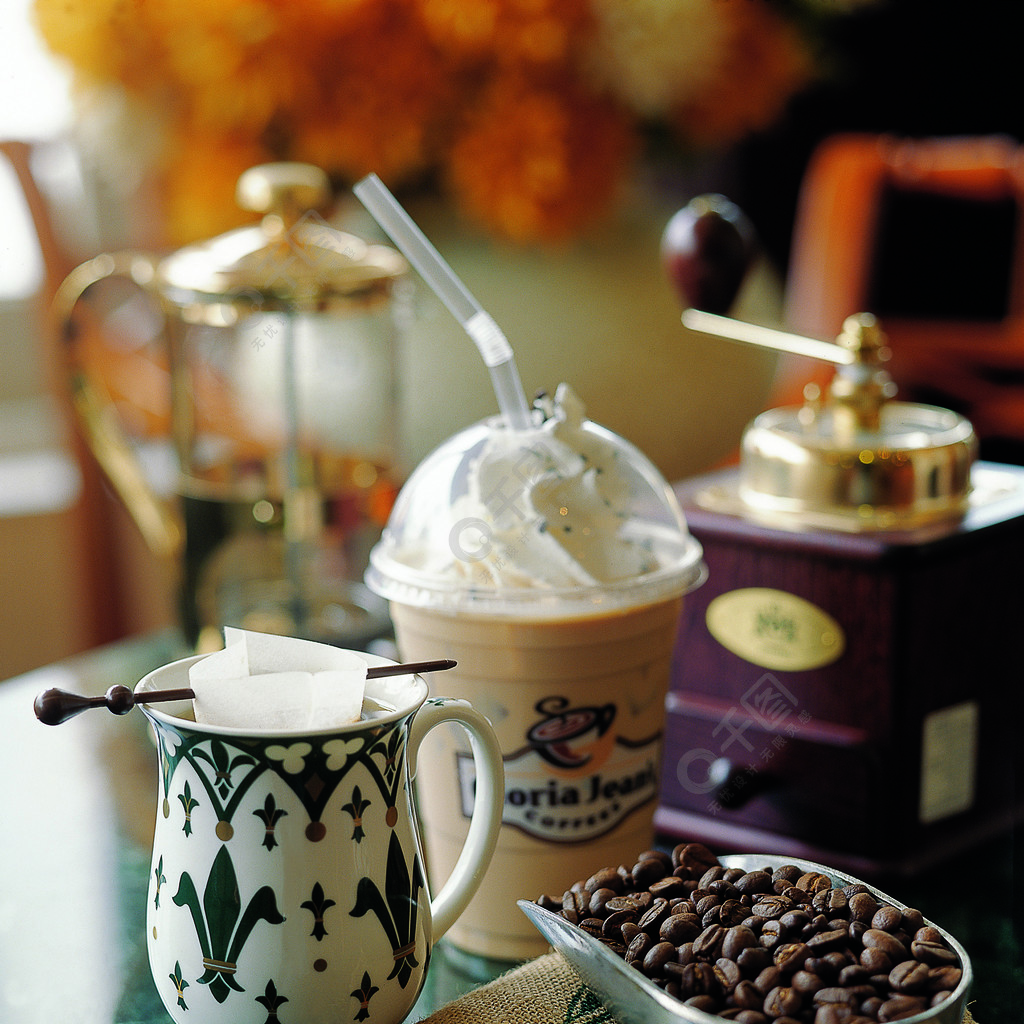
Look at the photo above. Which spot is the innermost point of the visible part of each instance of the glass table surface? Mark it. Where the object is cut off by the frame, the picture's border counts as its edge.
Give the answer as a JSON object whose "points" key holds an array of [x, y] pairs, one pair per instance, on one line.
{"points": [[78, 811]]}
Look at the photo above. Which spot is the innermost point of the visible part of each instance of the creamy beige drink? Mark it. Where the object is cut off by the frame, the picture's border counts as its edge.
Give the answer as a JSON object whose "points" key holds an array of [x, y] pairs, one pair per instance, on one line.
{"points": [[551, 565]]}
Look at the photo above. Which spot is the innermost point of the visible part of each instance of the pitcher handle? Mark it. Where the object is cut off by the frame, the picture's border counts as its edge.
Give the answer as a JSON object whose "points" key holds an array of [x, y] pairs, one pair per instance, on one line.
{"points": [[485, 823], [96, 416]]}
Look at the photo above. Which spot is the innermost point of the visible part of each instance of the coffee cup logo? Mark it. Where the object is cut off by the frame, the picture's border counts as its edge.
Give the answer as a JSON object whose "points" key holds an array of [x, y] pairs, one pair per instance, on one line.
{"points": [[572, 738]]}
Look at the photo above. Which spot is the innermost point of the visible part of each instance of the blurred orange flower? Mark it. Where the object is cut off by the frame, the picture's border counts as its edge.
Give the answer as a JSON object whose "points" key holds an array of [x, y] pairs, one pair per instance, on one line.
{"points": [[527, 111]]}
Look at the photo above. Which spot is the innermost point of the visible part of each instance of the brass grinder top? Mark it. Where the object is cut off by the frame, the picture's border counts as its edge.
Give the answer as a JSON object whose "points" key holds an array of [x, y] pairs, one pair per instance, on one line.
{"points": [[853, 459]]}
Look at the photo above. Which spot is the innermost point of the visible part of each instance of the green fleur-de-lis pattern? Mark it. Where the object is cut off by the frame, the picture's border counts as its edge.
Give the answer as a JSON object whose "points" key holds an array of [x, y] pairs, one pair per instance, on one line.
{"points": [[318, 905], [270, 1000], [224, 776], [364, 994], [270, 814], [222, 923], [188, 805]]}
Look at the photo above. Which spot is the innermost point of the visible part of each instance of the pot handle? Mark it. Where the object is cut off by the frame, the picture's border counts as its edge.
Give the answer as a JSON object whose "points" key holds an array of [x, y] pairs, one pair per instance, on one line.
{"points": [[485, 823], [94, 410]]}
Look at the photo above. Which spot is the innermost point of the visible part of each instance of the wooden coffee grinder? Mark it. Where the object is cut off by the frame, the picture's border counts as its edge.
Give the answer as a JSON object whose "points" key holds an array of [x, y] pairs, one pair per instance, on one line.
{"points": [[843, 684]]}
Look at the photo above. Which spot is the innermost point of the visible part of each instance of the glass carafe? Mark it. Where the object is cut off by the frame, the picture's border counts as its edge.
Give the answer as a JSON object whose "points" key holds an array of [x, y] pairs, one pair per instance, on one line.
{"points": [[266, 373]]}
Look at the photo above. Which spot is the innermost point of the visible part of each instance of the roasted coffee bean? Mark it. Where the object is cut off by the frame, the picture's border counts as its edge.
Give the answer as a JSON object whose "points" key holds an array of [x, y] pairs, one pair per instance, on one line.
{"points": [[824, 969], [645, 872], [668, 887], [794, 920], [855, 930], [813, 881], [830, 902], [910, 977], [598, 900], [862, 906], [713, 874], [798, 896], [828, 941], [661, 855], [791, 956], [571, 901], [650, 920], [788, 872], [709, 942], [869, 1008], [934, 954], [939, 997], [679, 928], [732, 913], [628, 903], [728, 973], [913, 919], [755, 882], [944, 979], [746, 996], [833, 995], [754, 960], [606, 878], [818, 923], [771, 935], [900, 1007], [876, 960], [713, 916], [637, 949], [771, 907], [702, 905], [751, 1017], [612, 927], [806, 982], [928, 934], [698, 979], [768, 979], [548, 903], [833, 1013], [875, 938], [887, 918], [629, 932], [853, 974], [644, 899], [723, 889], [783, 1001], [702, 1002], [736, 939], [592, 926], [657, 956], [690, 855]]}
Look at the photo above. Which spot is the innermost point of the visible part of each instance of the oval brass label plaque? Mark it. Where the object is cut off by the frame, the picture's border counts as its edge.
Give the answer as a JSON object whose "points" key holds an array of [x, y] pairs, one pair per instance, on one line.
{"points": [[774, 629]]}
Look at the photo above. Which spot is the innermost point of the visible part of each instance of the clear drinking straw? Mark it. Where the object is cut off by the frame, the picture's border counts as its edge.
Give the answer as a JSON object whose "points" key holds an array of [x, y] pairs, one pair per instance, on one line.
{"points": [[432, 267]]}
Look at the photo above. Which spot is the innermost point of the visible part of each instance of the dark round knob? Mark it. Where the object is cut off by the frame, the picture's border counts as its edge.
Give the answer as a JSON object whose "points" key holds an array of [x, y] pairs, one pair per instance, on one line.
{"points": [[706, 249], [52, 707], [120, 700]]}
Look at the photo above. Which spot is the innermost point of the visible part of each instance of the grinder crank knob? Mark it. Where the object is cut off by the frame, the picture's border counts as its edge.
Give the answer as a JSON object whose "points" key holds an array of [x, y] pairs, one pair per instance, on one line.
{"points": [[707, 248]]}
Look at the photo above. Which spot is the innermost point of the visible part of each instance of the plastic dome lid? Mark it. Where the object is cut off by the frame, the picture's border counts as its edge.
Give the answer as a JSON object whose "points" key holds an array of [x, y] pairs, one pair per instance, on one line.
{"points": [[567, 518]]}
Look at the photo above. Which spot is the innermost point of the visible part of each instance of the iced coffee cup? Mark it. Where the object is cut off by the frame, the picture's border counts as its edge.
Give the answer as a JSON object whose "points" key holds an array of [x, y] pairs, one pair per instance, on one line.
{"points": [[551, 564]]}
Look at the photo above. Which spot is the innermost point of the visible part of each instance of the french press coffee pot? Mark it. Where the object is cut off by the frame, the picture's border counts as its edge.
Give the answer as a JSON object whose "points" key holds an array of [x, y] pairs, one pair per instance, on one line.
{"points": [[269, 378]]}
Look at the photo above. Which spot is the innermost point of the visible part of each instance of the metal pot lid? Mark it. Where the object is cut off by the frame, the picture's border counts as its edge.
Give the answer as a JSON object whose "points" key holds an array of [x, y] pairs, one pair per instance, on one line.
{"points": [[852, 459], [292, 261]]}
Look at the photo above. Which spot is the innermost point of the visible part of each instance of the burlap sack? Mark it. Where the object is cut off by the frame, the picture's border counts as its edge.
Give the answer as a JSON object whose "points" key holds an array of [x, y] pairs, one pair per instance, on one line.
{"points": [[543, 991]]}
